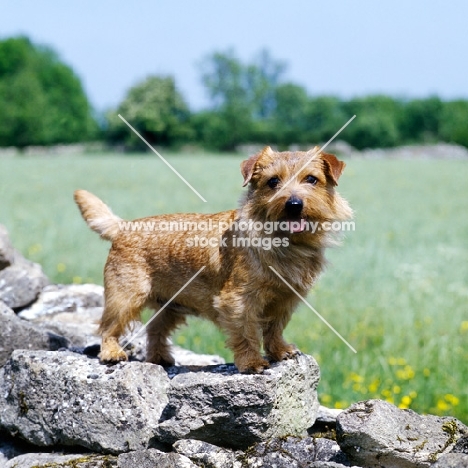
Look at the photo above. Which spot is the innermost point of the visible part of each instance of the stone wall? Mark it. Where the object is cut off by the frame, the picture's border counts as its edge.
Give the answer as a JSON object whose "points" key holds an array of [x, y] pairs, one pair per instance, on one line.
{"points": [[59, 407]]}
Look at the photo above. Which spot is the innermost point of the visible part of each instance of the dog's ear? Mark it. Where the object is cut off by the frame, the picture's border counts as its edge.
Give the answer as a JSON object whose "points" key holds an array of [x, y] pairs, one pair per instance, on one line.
{"points": [[248, 166], [333, 167]]}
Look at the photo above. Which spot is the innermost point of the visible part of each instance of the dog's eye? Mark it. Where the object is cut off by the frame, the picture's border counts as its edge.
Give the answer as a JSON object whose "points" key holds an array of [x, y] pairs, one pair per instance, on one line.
{"points": [[273, 182], [310, 179]]}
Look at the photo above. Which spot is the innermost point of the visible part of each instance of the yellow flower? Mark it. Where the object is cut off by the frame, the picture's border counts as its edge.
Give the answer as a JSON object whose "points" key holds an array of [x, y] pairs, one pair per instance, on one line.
{"points": [[442, 405], [396, 389], [406, 400], [326, 398], [181, 340], [426, 372], [77, 279], [355, 377], [374, 386], [451, 399], [34, 249], [341, 404], [407, 373], [61, 267], [413, 394], [464, 326], [396, 361]]}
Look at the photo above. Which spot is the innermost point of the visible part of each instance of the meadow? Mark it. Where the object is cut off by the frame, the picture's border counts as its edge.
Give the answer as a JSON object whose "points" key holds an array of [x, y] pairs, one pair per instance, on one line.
{"points": [[397, 289]]}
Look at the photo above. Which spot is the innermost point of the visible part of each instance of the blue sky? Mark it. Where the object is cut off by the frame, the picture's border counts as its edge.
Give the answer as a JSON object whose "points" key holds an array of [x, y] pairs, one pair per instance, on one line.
{"points": [[410, 48]]}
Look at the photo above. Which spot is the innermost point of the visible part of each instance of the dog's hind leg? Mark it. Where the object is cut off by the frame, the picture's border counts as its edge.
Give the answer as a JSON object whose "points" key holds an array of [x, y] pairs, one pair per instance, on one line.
{"points": [[123, 303]]}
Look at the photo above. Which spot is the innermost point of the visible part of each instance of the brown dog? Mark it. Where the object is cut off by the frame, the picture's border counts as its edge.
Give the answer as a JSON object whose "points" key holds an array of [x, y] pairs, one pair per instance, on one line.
{"points": [[152, 259]]}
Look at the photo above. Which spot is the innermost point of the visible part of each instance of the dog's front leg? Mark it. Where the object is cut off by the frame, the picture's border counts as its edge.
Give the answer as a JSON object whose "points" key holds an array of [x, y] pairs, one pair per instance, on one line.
{"points": [[239, 316], [277, 316]]}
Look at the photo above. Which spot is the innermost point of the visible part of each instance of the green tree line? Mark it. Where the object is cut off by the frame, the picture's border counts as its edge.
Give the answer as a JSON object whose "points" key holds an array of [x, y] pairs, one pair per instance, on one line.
{"points": [[42, 102]]}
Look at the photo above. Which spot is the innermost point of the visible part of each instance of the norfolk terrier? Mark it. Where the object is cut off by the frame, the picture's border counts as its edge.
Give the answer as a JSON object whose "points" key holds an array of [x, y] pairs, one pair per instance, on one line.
{"points": [[242, 263]]}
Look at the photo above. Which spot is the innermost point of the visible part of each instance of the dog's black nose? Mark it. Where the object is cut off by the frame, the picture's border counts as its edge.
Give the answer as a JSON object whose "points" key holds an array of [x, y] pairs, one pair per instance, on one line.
{"points": [[294, 207]]}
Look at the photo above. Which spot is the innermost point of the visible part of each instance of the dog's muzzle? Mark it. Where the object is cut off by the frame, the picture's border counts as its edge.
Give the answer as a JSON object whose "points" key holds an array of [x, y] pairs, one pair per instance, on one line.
{"points": [[293, 207]]}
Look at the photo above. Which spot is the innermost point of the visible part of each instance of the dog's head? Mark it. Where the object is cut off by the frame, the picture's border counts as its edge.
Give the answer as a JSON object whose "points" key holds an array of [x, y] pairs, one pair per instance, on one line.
{"points": [[295, 187]]}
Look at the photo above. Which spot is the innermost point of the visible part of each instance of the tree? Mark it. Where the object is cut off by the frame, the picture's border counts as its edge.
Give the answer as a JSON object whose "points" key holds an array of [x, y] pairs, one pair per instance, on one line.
{"points": [[41, 98], [289, 120], [243, 98], [454, 118], [157, 111], [421, 120], [376, 124]]}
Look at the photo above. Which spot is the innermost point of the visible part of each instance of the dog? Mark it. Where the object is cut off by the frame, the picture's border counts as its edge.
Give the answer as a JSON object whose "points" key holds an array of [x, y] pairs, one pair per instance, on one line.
{"points": [[240, 274]]}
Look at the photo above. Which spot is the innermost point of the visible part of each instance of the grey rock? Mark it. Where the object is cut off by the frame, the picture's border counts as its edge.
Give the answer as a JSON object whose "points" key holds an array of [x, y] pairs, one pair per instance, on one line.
{"points": [[327, 464], [19, 334], [52, 398], [220, 406], [80, 329], [328, 415], [452, 460], [60, 299], [21, 283], [462, 445], [55, 460], [185, 357], [7, 252], [208, 455], [375, 433], [297, 451], [153, 458]]}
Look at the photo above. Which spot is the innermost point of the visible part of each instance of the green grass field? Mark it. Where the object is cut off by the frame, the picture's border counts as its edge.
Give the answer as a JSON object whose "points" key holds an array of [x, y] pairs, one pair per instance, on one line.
{"points": [[397, 289]]}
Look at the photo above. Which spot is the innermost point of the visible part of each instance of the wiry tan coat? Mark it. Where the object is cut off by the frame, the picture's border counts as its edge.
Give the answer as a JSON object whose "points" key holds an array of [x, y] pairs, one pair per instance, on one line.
{"points": [[237, 289]]}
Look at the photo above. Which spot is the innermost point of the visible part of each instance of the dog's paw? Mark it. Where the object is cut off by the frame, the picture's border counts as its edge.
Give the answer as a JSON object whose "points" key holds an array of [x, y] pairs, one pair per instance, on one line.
{"points": [[252, 366], [112, 356], [283, 353]]}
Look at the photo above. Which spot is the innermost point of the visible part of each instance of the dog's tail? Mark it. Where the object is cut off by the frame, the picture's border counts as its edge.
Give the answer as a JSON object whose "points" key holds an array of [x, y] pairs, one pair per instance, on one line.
{"points": [[97, 215]]}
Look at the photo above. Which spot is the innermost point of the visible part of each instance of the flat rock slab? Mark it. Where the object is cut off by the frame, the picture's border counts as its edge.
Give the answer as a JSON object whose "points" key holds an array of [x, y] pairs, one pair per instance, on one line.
{"points": [[19, 334], [375, 433], [153, 458], [56, 460], [64, 299], [220, 406], [63, 398]]}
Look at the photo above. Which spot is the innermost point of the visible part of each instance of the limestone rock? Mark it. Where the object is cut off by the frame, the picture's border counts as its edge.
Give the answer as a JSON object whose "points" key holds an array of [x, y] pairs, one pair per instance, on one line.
{"points": [[21, 283], [154, 458], [60, 299], [55, 460], [7, 252], [452, 460], [19, 334], [208, 455], [296, 452], [375, 433], [52, 398], [462, 445], [220, 406]]}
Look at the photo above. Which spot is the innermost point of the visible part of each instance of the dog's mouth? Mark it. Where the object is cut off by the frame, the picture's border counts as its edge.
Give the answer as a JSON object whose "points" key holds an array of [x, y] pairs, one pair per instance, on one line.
{"points": [[296, 225]]}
